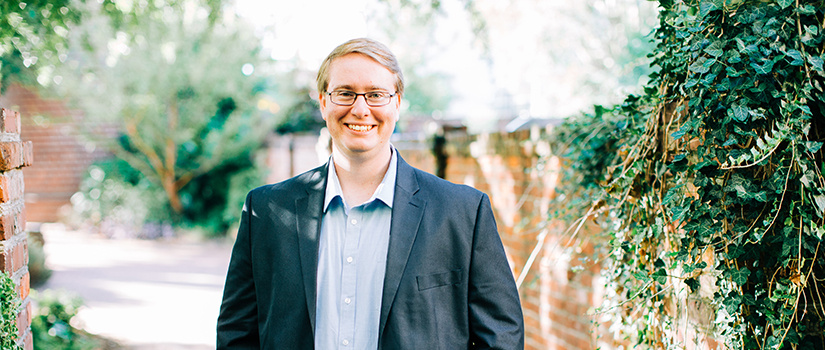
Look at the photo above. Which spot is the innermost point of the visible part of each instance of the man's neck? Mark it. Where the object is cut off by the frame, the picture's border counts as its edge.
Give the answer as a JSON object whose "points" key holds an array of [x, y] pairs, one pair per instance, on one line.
{"points": [[360, 177]]}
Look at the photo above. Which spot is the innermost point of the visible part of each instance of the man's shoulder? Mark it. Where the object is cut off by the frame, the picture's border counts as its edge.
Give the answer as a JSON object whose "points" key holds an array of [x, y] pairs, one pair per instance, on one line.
{"points": [[440, 188]]}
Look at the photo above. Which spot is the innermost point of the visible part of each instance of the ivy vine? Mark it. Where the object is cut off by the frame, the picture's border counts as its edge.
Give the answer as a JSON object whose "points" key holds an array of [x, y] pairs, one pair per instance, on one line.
{"points": [[710, 185], [9, 307]]}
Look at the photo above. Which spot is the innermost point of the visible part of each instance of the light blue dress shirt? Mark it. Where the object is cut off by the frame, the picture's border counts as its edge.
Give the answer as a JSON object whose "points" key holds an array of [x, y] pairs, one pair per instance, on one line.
{"points": [[352, 260]]}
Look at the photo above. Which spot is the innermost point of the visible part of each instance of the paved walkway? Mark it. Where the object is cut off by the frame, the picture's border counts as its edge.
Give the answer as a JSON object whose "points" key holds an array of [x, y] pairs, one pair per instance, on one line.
{"points": [[142, 294]]}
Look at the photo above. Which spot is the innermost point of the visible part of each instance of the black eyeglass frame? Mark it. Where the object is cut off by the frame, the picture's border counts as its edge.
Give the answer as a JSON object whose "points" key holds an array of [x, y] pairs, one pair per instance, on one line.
{"points": [[329, 93]]}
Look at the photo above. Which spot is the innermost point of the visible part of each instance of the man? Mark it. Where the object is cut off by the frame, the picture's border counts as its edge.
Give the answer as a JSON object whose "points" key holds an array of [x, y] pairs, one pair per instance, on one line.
{"points": [[367, 252]]}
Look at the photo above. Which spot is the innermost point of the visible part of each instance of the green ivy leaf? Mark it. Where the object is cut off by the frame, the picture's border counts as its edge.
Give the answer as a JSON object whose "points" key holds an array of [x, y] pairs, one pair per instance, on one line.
{"points": [[706, 7], [678, 213], [817, 62], [785, 3], [693, 284], [807, 10], [761, 196], [819, 231], [739, 112], [730, 142], [715, 49], [796, 56], [660, 275], [681, 132], [739, 276], [765, 68], [819, 200], [702, 65], [813, 146]]}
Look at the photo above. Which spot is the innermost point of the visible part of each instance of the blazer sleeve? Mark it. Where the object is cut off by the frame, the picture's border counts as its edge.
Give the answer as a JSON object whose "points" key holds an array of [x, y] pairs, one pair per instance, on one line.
{"points": [[496, 320], [238, 318]]}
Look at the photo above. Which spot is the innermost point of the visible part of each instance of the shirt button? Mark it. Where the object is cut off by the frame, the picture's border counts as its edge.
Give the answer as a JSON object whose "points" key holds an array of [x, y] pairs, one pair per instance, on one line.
{"points": [[349, 259], [354, 221], [347, 301], [345, 342]]}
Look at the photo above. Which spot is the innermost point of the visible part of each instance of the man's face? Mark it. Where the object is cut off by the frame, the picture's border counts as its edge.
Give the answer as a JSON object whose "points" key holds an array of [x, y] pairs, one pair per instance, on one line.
{"points": [[360, 131]]}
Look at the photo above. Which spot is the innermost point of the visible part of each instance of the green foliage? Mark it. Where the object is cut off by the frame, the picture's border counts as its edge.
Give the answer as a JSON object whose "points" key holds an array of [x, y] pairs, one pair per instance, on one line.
{"points": [[302, 116], [52, 322], [713, 181], [9, 307]]}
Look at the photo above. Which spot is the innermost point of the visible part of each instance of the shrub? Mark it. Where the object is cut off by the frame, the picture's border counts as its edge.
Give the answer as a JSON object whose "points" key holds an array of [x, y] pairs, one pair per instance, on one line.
{"points": [[52, 323], [120, 201], [9, 305]]}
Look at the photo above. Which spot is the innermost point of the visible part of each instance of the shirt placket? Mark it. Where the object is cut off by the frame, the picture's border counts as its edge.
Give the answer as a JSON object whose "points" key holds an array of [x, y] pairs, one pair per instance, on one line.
{"points": [[348, 278]]}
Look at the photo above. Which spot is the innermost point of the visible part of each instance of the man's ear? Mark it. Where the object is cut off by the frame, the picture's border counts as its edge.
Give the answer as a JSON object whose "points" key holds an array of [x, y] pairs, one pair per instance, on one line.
{"points": [[398, 108], [322, 103]]}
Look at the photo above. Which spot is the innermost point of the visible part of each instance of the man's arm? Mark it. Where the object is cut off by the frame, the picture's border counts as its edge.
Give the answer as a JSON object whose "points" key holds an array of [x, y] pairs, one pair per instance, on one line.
{"points": [[496, 320], [238, 319]]}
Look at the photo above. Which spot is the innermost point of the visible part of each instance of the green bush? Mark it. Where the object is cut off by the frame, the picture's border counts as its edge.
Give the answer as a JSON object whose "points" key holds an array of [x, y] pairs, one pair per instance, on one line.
{"points": [[120, 201], [9, 305], [52, 322]]}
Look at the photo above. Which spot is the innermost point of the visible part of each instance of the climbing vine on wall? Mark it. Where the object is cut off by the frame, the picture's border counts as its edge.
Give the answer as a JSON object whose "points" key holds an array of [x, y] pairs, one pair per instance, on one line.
{"points": [[710, 185]]}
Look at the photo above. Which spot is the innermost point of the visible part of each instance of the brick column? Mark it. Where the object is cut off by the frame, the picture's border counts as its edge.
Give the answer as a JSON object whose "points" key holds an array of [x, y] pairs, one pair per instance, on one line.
{"points": [[14, 254]]}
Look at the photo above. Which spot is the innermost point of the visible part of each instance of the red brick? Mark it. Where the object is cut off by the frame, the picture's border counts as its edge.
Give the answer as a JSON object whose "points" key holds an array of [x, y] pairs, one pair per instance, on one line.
{"points": [[14, 257], [19, 256], [25, 286], [9, 121], [11, 155], [11, 186], [5, 259], [7, 226], [28, 153], [24, 319]]}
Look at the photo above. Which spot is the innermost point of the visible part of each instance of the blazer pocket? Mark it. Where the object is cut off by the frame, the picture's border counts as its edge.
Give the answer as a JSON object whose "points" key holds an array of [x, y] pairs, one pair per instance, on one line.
{"points": [[438, 279]]}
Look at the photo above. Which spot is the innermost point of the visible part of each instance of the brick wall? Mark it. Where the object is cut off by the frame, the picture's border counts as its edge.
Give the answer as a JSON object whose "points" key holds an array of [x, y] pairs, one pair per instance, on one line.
{"points": [[14, 155], [62, 154]]}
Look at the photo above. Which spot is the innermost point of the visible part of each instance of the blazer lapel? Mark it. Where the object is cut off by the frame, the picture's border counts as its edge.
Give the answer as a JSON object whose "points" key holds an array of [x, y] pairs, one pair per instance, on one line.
{"points": [[308, 228], [407, 211]]}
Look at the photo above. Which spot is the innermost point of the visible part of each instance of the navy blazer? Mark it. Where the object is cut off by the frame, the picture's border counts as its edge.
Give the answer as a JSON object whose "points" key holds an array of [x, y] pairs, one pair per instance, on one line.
{"points": [[447, 284]]}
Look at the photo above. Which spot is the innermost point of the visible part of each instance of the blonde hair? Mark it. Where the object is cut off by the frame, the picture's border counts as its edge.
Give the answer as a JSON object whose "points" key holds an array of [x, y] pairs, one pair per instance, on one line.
{"points": [[368, 47]]}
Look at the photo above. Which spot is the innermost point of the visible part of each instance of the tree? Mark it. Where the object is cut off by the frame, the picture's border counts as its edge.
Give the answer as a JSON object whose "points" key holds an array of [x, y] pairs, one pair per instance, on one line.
{"points": [[34, 33], [179, 82]]}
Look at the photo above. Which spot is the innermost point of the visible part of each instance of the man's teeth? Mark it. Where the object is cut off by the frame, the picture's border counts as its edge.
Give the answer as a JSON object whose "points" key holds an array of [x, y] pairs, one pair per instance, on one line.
{"points": [[360, 127]]}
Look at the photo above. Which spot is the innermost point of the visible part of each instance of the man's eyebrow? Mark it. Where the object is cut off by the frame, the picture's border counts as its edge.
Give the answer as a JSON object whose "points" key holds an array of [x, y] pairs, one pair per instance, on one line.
{"points": [[351, 88]]}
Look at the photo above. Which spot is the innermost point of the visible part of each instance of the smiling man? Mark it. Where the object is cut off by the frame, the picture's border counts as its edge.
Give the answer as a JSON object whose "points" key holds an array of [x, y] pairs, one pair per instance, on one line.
{"points": [[367, 252]]}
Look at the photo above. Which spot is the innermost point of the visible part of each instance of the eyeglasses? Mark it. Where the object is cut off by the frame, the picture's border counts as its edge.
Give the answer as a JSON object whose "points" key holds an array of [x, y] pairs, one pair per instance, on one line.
{"points": [[373, 98]]}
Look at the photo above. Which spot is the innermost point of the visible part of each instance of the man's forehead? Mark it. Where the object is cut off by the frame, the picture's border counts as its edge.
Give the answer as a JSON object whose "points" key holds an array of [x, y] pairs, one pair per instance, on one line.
{"points": [[359, 71]]}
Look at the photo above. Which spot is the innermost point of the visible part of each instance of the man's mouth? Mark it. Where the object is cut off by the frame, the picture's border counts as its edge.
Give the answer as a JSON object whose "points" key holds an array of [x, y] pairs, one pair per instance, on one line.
{"points": [[360, 128]]}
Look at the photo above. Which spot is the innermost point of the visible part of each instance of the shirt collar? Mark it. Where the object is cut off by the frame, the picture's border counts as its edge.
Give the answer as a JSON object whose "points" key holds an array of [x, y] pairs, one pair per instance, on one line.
{"points": [[385, 191]]}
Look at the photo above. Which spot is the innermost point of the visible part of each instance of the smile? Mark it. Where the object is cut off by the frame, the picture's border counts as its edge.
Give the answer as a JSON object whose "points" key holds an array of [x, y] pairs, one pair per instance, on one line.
{"points": [[360, 128]]}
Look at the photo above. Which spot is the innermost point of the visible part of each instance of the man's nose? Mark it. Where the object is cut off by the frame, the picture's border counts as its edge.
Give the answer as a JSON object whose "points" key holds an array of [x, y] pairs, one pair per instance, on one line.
{"points": [[360, 108]]}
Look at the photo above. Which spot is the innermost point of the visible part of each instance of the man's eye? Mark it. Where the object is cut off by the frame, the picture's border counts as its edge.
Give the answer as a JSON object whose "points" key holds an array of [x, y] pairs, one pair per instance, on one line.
{"points": [[375, 94], [345, 94]]}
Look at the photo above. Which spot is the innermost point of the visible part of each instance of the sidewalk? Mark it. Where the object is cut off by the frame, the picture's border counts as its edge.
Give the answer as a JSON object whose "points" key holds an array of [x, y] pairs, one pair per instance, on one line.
{"points": [[142, 294]]}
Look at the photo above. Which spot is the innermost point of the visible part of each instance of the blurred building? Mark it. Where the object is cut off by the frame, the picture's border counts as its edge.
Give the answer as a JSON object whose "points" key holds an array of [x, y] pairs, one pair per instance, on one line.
{"points": [[61, 153]]}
